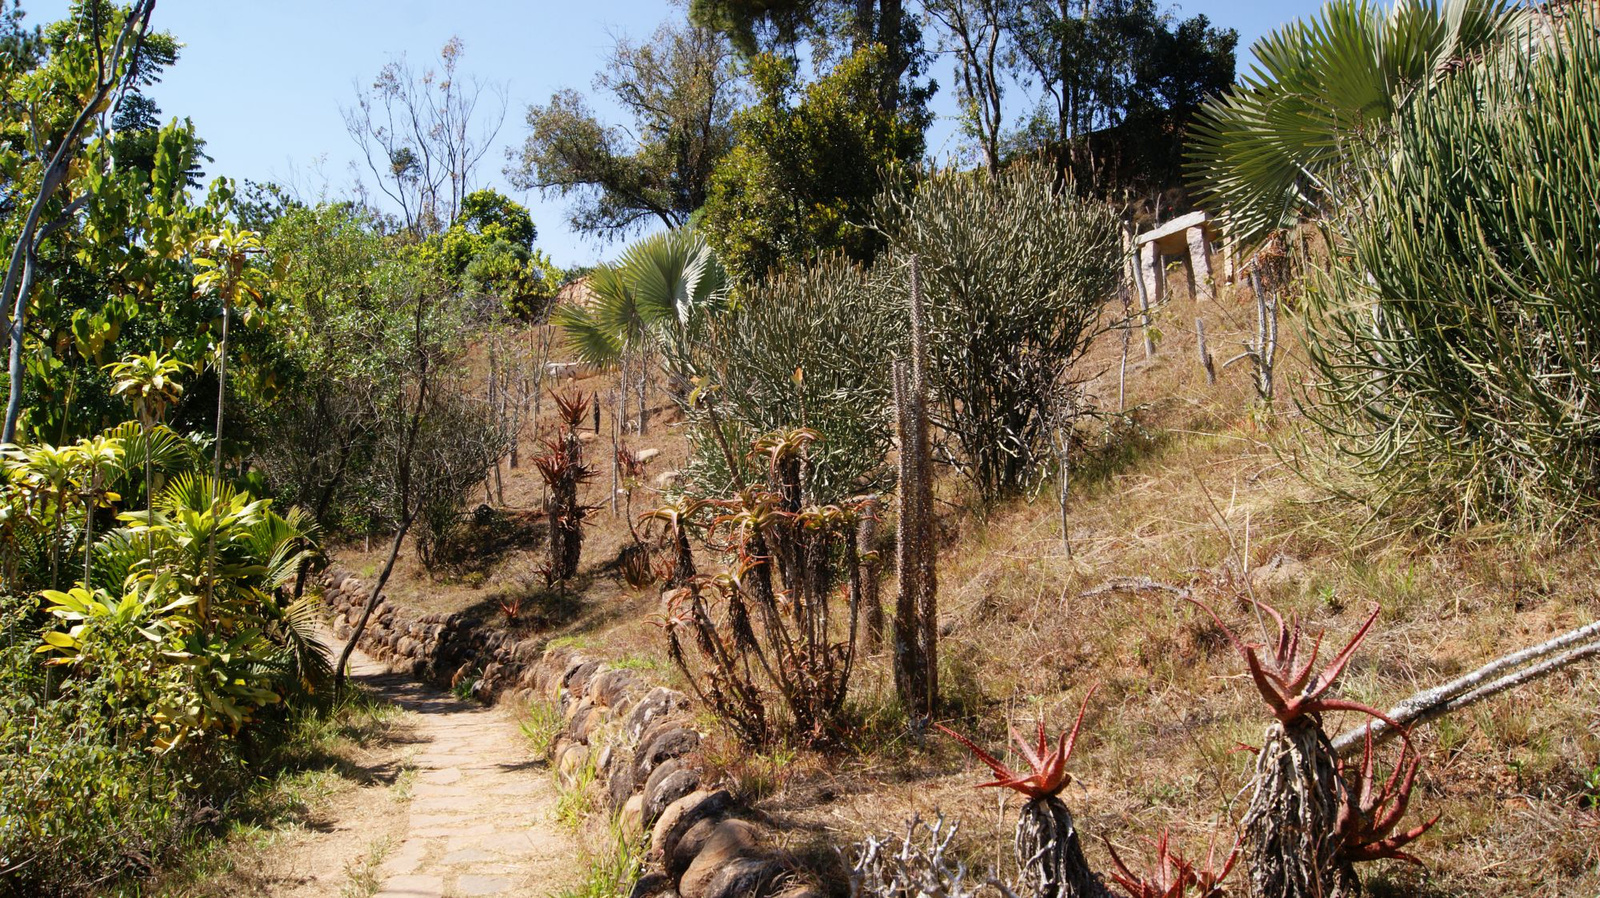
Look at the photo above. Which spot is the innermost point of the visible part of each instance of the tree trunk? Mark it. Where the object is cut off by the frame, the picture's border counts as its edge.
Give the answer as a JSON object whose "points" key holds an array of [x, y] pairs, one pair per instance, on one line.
{"points": [[1049, 854], [372, 602]]}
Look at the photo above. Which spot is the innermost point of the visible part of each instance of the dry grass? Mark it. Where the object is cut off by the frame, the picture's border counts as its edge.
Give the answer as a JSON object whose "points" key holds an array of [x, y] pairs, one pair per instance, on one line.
{"points": [[1199, 491]]}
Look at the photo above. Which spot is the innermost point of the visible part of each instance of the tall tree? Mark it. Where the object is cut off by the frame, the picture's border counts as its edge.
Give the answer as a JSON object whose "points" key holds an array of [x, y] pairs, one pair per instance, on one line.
{"points": [[1120, 81], [807, 166], [92, 58], [422, 135], [974, 31], [681, 88], [834, 29]]}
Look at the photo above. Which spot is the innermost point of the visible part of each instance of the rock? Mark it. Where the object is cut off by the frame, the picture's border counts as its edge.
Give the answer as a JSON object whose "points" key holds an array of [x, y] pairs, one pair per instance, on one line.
{"points": [[682, 815], [666, 479], [632, 817], [572, 759], [651, 884], [670, 782], [656, 704], [608, 687], [645, 456], [575, 678], [688, 847], [674, 743], [620, 782], [728, 842], [746, 877], [585, 727]]}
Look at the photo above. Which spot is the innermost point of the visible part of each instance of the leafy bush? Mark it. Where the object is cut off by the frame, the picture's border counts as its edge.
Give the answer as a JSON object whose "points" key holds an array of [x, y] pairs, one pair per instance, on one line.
{"points": [[809, 348], [1015, 271], [806, 164], [1455, 339]]}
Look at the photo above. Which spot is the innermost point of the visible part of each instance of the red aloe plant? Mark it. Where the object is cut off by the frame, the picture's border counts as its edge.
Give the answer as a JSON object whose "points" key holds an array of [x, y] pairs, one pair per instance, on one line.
{"points": [[1285, 682], [1173, 875], [1368, 818], [1048, 769]]}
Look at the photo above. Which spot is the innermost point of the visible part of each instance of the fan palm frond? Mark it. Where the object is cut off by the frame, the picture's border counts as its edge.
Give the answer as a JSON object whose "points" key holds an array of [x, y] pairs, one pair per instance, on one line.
{"points": [[1269, 151]]}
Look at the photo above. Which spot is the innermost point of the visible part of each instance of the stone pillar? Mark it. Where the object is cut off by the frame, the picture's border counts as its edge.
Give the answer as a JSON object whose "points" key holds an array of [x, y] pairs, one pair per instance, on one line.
{"points": [[1155, 287], [1200, 283]]}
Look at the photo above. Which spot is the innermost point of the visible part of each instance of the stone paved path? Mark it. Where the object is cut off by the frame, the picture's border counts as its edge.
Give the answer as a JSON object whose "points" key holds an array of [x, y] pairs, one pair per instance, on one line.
{"points": [[481, 814]]}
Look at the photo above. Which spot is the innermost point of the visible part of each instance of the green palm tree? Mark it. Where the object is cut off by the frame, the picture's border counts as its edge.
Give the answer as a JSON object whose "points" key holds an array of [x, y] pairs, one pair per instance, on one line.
{"points": [[1269, 152], [150, 382], [662, 292]]}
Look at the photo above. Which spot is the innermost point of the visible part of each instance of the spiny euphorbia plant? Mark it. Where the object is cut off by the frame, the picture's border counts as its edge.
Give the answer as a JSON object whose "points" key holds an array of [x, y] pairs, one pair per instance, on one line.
{"points": [[1047, 847], [1304, 827]]}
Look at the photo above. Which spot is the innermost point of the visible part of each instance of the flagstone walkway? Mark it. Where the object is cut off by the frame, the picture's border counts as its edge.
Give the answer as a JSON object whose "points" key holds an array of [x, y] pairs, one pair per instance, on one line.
{"points": [[481, 811]]}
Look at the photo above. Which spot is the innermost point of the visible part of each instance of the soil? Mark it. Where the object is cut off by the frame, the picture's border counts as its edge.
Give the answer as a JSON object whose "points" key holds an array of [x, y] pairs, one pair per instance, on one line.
{"points": [[453, 803]]}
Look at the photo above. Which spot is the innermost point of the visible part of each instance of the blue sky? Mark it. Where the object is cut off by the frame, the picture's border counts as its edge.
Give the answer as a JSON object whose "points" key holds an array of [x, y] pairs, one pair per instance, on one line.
{"points": [[264, 80]]}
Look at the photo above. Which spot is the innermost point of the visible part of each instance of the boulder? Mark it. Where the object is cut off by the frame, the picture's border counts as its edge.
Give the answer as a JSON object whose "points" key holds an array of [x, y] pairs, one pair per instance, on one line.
{"points": [[728, 842], [632, 817], [745, 877], [620, 781], [571, 761], [651, 884], [656, 704], [675, 742], [670, 782], [605, 689], [682, 815]]}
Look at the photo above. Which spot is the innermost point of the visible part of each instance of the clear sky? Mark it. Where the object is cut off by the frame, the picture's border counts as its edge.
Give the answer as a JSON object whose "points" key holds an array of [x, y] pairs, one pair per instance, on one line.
{"points": [[264, 80]]}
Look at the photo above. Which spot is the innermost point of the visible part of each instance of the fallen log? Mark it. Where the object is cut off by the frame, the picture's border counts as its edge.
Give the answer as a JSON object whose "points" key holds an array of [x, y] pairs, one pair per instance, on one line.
{"points": [[1503, 673]]}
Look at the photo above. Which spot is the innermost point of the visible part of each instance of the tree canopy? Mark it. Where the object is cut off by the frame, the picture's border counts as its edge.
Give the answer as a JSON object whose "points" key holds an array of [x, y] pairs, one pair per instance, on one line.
{"points": [[681, 89]]}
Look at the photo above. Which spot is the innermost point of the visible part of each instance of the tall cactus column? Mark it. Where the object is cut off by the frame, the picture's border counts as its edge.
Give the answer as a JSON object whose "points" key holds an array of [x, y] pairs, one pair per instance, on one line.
{"points": [[916, 624]]}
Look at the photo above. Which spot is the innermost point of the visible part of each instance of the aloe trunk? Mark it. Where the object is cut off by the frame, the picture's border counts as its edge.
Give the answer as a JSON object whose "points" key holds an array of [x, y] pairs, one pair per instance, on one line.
{"points": [[1049, 854], [1291, 825]]}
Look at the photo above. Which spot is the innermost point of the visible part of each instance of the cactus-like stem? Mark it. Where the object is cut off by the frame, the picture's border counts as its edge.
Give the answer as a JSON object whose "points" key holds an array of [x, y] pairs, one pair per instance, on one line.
{"points": [[1048, 852], [1291, 826], [916, 608]]}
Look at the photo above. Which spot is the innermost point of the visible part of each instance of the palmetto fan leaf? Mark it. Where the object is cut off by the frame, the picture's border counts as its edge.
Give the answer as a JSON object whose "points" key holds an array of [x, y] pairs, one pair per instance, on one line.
{"points": [[661, 290], [586, 336], [1269, 151]]}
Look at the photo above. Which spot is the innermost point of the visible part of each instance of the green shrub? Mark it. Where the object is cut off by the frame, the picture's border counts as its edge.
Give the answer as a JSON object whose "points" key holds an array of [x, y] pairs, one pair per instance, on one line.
{"points": [[809, 348], [1455, 338], [81, 800], [1015, 272]]}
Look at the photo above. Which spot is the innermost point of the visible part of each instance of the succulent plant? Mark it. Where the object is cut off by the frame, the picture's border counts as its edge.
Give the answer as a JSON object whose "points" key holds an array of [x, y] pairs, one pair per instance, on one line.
{"points": [[1369, 817], [1047, 774], [768, 626], [1172, 875], [1047, 846], [1285, 681]]}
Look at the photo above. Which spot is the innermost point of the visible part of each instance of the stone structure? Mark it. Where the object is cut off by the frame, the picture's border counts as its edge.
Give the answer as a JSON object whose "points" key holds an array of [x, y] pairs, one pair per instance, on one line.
{"points": [[1191, 237]]}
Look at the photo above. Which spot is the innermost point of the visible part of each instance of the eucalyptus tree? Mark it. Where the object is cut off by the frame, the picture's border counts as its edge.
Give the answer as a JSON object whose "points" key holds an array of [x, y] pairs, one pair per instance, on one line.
{"points": [[681, 88], [424, 134]]}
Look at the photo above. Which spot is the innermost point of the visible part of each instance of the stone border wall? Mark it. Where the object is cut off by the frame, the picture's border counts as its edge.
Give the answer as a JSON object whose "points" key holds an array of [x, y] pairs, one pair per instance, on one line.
{"points": [[639, 740]]}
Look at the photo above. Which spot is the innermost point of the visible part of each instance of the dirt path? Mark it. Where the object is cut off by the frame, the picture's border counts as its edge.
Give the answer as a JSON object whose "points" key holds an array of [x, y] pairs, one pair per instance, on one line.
{"points": [[449, 803], [480, 817]]}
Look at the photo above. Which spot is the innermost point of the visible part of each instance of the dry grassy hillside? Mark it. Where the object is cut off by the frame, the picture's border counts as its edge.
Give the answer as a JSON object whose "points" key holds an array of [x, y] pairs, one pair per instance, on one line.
{"points": [[1192, 490]]}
